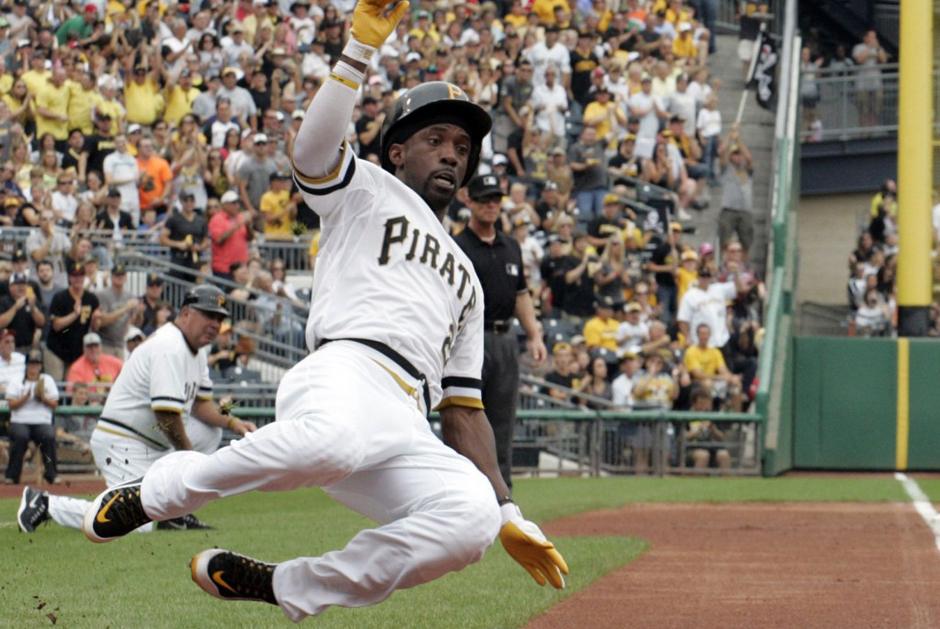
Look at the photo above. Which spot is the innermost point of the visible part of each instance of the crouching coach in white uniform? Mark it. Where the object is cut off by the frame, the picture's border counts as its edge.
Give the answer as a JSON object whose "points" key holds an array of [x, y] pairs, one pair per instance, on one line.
{"points": [[160, 402]]}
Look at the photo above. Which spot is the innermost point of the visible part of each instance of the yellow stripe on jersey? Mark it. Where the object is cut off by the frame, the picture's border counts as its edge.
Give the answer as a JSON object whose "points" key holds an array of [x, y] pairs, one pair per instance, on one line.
{"points": [[120, 434], [204, 398], [330, 176], [167, 409], [457, 400]]}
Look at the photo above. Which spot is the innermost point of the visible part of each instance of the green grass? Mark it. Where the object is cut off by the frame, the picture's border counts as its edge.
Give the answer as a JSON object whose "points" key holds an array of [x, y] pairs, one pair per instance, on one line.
{"points": [[143, 581]]}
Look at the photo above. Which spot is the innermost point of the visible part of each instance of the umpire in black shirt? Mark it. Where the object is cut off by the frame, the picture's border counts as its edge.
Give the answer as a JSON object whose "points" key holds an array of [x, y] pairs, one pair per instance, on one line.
{"points": [[497, 261]]}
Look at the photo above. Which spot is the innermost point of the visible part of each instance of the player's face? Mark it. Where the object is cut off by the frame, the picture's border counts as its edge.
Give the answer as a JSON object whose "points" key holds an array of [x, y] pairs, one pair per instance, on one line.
{"points": [[200, 328], [433, 161]]}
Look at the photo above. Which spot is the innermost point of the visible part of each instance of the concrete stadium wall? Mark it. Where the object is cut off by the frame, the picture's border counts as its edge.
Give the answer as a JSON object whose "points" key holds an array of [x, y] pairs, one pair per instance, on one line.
{"points": [[827, 228], [866, 404]]}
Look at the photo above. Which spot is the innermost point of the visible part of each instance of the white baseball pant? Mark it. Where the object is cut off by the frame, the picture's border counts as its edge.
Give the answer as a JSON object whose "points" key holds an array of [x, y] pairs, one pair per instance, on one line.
{"points": [[344, 424], [121, 459]]}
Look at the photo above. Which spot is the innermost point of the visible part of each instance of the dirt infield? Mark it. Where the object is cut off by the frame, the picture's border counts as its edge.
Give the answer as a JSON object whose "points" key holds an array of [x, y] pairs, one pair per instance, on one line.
{"points": [[765, 565], [70, 486]]}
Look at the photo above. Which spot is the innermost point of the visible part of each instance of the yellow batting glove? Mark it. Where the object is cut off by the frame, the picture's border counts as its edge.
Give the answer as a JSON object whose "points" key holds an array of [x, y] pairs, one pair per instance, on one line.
{"points": [[526, 543], [371, 25]]}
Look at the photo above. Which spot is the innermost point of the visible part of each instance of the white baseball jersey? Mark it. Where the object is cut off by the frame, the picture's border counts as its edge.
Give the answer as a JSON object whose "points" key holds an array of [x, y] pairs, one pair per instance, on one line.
{"points": [[388, 271], [163, 374]]}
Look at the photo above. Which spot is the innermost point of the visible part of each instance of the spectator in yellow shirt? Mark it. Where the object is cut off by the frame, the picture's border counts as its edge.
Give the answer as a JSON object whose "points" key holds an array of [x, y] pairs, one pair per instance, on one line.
{"points": [[108, 105], [604, 115], [601, 329], [180, 95], [517, 15], [706, 366], [278, 209], [142, 97], [684, 46], [82, 100], [52, 107], [545, 9], [37, 75], [687, 273]]}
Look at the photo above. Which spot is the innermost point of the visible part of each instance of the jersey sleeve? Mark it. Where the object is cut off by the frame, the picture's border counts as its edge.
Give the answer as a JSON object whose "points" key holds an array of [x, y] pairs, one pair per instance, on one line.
{"points": [[351, 187], [167, 382], [461, 382]]}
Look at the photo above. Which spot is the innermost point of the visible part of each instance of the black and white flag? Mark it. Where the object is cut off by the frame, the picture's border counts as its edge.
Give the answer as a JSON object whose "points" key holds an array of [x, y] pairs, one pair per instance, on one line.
{"points": [[762, 74]]}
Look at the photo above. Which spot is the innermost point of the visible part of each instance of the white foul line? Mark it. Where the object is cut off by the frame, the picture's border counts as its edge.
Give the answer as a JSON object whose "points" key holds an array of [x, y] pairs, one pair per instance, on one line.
{"points": [[922, 505]]}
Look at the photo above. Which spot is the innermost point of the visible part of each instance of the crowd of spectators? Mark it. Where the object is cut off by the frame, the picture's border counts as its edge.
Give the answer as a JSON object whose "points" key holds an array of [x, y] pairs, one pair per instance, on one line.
{"points": [[873, 268], [172, 123]]}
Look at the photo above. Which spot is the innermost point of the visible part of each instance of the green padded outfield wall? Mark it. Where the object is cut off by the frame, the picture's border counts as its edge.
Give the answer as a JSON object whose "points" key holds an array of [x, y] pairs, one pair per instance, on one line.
{"points": [[924, 441], [845, 403]]}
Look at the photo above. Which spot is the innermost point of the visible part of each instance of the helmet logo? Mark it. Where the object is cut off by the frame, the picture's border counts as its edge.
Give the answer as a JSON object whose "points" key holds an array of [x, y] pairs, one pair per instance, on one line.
{"points": [[455, 93], [407, 107], [221, 300]]}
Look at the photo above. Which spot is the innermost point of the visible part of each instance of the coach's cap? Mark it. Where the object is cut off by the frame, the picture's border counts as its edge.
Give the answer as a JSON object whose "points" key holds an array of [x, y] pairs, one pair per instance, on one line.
{"points": [[34, 356], [134, 333], [91, 339], [18, 278], [230, 196], [484, 187], [206, 298], [154, 280]]}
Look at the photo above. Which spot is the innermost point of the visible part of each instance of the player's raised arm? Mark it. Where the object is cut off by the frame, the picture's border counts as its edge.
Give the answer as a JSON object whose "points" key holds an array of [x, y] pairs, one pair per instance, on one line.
{"points": [[319, 148]]}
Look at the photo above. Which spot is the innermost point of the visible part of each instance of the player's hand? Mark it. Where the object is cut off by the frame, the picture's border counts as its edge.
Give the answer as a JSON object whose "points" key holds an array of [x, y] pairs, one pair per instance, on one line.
{"points": [[526, 543], [371, 25], [241, 427], [537, 350]]}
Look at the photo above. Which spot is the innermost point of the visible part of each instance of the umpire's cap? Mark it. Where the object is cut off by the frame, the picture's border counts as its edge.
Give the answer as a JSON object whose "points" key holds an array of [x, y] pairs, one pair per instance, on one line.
{"points": [[435, 103], [206, 298]]}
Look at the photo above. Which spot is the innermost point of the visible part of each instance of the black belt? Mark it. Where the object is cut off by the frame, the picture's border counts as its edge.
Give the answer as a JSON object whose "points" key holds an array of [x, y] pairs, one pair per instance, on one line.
{"points": [[500, 327], [396, 358], [124, 426]]}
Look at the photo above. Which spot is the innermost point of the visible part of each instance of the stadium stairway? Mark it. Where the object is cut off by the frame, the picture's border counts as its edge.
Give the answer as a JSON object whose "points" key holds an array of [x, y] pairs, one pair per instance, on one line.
{"points": [[757, 130]]}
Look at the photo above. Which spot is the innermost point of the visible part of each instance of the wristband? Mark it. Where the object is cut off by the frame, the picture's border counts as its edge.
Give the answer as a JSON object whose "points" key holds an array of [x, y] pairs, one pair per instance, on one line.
{"points": [[358, 51], [231, 423], [509, 512]]}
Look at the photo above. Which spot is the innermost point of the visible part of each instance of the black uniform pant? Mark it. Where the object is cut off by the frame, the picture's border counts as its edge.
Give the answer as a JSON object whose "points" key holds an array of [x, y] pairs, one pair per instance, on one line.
{"points": [[501, 393], [20, 436]]}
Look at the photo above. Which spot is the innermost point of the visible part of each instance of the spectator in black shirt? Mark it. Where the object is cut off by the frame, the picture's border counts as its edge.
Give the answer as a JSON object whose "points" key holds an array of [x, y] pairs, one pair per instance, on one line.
{"points": [[76, 154], [74, 313], [562, 373], [146, 316], [369, 127], [553, 275], [21, 312], [100, 144], [663, 264], [222, 355], [186, 233], [610, 221], [579, 268], [583, 62], [112, 218]]}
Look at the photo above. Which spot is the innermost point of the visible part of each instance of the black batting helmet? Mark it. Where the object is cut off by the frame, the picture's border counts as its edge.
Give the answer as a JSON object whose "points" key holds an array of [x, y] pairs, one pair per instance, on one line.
{"points": [[206, 298], [431, 103]]}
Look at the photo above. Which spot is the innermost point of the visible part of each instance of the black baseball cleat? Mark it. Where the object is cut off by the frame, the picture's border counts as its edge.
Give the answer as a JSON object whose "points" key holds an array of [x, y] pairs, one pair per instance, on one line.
{"points": [[188, 522], [115, 513], [233, 577], [33, 511]]}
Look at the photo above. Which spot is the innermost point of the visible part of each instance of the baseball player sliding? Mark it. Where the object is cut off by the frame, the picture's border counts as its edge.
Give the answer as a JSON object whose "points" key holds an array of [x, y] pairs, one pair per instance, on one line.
{"points": [[396, 329]]}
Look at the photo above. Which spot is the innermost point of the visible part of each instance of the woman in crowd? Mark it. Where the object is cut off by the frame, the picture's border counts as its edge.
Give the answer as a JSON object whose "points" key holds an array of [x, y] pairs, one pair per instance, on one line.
{"points": [[32, 401]]}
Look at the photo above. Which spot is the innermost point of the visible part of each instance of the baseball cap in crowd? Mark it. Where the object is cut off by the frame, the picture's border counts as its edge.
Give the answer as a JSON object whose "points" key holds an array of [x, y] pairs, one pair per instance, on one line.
{"points": [[260, 138], [551, 185], [561, 347], [114, 193], [187, 196], [230, 196], [604, 301], [90, 8], [705, 249], [412, 56], [483, 187], [684, 26], [133, 333], [632, 307], [298, 114], [19, 255], [646, 78], [76, 268], [91, 339], [34, 356], [578, 339], [610, 198], [500, 160], [557, 151], [119, 269], [18, 278], [689, 255], [133, 128], [154, 280], [230, 70], [675, 227], [676, 118]]}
